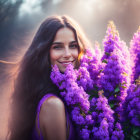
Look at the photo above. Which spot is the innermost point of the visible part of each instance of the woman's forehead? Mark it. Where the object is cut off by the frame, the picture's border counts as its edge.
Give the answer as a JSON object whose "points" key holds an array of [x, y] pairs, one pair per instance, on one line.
{"points": [[64, 34]]}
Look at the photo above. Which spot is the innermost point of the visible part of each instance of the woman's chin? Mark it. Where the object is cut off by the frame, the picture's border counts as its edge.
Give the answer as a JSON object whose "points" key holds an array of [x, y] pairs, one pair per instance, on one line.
{"points": [[62, 70]]}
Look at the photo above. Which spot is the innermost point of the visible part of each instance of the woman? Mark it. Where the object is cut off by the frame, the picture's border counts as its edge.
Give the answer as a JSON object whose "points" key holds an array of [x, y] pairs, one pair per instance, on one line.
{"points": [[38, 112]]}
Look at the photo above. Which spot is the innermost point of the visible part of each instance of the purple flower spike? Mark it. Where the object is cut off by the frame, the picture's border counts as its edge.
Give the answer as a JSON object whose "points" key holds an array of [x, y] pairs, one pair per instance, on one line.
{"points": [[56, 76], [132, 105], [135, 55], [116, 75]]}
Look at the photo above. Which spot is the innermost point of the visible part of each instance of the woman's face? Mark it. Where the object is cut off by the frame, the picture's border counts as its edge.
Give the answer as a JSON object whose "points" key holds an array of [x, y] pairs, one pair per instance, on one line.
{"points": [[64, 49]]}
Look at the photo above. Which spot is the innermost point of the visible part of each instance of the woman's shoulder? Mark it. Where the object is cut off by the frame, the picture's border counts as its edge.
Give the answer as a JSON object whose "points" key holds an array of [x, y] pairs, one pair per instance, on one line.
{"points": [[52, 117], [51, 105], [52, 102], [47, 99]]}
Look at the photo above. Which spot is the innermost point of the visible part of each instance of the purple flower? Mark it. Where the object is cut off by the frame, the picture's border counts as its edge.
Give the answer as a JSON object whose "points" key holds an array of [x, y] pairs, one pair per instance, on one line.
{"points": [[117, 133], [115, 77], [85, 81], [94, 115], [74, 95], [101, 133], [103, 117], [89, 119], [56, 76], [91, 63], [93, 102], [77, 117], [132, 105], [135, 55], [85, 133]]}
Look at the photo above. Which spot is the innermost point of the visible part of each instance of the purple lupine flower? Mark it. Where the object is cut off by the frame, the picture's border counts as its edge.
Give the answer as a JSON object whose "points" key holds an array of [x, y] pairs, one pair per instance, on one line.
{"points": [[102, 132], [102, 115], [115, 77], [91, 62], [132, 105], [117, 133], [78, 119], [93, 101], [85, 134], [135, 55], [94, 115], [89, 120], [105, 111], [85, 81], [98, 53], [73, 95], [56, 76], [111, 40]]}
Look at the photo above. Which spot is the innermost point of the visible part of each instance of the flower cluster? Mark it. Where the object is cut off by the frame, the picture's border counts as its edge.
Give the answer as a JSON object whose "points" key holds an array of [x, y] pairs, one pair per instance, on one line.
{"points": [[92, 62], [132, 105], [135, 55], [103, 117], [131, 111], [75, 97], [115, 77], [71, 88]]}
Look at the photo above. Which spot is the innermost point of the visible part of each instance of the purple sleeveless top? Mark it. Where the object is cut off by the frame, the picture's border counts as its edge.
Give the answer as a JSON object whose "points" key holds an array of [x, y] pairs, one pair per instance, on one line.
{"points": [[70, 128]]}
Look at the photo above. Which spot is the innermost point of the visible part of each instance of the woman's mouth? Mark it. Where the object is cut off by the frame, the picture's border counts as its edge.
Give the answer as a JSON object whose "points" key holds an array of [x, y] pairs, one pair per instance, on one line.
{"points": [[66, 63]]}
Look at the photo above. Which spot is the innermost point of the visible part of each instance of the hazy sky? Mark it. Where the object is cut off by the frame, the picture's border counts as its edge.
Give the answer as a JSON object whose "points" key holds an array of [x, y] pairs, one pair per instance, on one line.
{"points": [[92, 15]]}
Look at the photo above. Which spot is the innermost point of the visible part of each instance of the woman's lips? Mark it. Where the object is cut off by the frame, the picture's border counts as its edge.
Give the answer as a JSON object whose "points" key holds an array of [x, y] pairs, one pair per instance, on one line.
{"points": [[66, 63]]}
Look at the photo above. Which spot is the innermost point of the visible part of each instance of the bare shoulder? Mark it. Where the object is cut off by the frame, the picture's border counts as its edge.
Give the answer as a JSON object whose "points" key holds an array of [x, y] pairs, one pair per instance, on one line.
{"points": [[52, 103], [52, 118]]}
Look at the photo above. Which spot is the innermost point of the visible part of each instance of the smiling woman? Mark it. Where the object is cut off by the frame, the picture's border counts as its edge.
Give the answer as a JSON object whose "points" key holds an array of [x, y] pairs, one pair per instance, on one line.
{"points": [[37, 110], [64, 50]]}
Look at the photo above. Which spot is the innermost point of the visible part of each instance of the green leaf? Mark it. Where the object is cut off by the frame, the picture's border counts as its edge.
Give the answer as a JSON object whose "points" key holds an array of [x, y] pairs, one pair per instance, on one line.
{"points": [[91, 96], [137, 136], [89, 112], [111, 105], [104, 61], [101, 70], [92, 92], [107, 53], [136, 130], [133, 138], [117, 89]]}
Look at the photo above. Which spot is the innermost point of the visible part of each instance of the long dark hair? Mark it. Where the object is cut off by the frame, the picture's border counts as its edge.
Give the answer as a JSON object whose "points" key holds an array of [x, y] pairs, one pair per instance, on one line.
{"points": [[33, 76]]}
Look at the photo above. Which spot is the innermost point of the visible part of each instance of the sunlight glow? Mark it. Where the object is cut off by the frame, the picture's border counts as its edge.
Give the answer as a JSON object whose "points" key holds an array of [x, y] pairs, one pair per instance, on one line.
{"points": [[56, 1], [88, 4], [30, 7]]}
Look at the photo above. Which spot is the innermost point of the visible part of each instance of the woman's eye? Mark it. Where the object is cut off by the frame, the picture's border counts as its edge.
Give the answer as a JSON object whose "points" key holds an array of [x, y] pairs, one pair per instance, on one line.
{"points": [[57, 47], [73, 46]]}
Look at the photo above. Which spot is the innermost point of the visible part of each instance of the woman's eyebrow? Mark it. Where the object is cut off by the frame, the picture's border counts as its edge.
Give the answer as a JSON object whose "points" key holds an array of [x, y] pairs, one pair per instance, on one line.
{"points": [[57, 43], [72, 42], [60, 43]]}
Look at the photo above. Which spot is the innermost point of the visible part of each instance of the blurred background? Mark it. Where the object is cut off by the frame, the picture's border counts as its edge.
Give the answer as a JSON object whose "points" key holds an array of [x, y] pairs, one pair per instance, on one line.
{"points": [[20, 19]]}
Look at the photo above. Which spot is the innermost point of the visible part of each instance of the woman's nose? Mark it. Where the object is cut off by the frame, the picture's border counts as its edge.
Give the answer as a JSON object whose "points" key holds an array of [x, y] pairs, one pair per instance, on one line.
{"points": [[67, 52]]}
